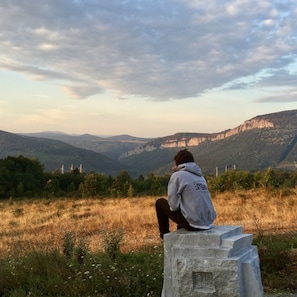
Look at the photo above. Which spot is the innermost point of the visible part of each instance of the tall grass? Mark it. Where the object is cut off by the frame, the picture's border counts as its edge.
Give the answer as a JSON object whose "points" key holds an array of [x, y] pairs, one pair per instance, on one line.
{"points": [[111, 247], [51, 273], [41, 223]]}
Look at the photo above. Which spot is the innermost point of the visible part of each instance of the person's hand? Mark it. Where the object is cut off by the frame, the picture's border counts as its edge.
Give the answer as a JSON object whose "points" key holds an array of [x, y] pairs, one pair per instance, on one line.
{"points": [[174, 168]]}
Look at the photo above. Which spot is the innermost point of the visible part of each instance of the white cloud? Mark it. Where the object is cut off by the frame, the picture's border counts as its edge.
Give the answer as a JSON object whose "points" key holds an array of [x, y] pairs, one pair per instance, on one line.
{"points": [[47, 46], [285, 97], [80, 91], [156, 49]]}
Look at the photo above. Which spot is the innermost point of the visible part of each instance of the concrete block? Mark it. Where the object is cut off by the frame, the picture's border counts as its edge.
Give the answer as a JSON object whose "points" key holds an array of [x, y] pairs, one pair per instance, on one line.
{"points": [[218, 262]]}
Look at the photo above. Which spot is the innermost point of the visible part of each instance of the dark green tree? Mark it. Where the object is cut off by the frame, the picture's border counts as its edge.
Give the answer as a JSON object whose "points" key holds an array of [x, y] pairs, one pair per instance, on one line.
{"points": [[21, 176], [121, 184], [94, 185], [157, 185]]}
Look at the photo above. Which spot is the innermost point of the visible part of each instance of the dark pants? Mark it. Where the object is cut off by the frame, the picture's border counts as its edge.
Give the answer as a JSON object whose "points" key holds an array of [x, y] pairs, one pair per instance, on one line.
{"points": [[164, 214]]}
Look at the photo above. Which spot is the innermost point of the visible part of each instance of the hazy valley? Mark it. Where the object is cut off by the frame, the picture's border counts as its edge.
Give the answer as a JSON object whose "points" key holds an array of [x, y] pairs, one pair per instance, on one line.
{"points": [[264, 141]]}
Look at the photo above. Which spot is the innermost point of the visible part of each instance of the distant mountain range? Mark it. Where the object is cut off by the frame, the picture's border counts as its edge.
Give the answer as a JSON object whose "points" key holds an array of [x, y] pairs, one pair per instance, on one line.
{"points": [[264, 141]]}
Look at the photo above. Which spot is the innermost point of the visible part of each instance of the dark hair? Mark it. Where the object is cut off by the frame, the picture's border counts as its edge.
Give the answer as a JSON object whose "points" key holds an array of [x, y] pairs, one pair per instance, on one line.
{"points": [[183, 156]]}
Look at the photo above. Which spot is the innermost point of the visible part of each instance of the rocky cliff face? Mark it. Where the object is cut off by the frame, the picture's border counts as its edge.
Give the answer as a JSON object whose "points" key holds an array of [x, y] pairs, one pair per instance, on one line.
{"points": [[195, 141], [190, 139]]}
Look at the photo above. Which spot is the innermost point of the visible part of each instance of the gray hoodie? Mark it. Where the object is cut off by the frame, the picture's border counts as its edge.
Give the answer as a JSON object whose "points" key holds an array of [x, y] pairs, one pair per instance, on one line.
{"points": [[188, 191]]}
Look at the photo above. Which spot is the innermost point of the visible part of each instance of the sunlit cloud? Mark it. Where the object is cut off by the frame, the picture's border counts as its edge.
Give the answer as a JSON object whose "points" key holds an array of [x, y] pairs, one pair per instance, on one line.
{"points": [[154, 50], [280, 97], [82, 91]]}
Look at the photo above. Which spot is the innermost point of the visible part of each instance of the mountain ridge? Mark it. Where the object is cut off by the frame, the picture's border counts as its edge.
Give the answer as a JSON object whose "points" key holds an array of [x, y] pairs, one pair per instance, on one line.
{"points": [[268, 140], [264, 141], [184, 139], [54, 153]]}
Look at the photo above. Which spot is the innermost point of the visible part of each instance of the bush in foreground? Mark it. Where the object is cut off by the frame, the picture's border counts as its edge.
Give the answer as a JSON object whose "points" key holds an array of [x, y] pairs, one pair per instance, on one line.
{"points": [[75, 271], [278, 260]]}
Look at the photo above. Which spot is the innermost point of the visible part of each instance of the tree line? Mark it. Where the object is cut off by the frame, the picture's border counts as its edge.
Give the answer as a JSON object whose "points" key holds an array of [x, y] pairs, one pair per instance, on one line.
{"points": [[24, 177]]}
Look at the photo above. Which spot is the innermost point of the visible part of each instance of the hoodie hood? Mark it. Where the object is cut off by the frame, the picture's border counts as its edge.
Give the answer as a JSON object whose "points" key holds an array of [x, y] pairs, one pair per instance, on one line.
{"points": [[190, 167]]}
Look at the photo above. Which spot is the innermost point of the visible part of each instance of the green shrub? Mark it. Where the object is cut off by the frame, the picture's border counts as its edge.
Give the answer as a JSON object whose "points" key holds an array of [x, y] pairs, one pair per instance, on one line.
{"points": [[55, 273], [278, 260], [112, 242], [133, 274]]}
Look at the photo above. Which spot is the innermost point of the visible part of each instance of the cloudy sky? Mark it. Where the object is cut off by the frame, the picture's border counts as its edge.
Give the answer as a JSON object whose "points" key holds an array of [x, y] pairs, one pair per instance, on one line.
{"points": [[146, 68]]}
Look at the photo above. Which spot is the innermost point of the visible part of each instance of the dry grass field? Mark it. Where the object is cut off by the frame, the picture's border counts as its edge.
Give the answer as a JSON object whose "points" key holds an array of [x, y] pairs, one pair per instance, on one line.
{"points": [[38, 224]]}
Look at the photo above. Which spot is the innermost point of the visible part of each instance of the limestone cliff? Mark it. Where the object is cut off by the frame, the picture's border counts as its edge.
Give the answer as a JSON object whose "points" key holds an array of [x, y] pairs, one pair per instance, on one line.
{"points": [[181, 140]]}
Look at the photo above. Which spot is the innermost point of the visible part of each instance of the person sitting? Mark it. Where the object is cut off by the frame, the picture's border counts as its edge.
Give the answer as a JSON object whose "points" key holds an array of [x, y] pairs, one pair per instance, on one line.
{"points": [[189, 202]]}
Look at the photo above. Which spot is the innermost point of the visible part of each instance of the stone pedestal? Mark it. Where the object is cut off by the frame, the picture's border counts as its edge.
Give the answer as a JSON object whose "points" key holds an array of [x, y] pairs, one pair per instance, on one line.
{"points": [[220, 262]]}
